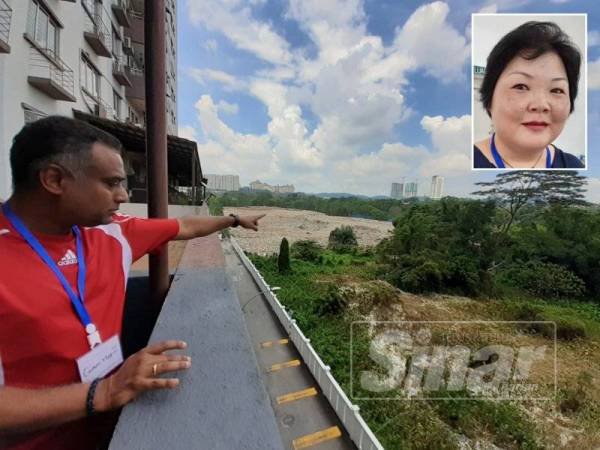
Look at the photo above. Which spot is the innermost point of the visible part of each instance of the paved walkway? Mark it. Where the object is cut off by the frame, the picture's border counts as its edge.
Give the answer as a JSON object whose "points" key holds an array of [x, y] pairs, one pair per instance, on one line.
{"points": [[305, 414]]}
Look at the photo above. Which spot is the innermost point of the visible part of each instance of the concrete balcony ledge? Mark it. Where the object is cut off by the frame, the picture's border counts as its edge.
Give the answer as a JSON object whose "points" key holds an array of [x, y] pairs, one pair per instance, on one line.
{"points": [[119, 8], [221, 402], [5, 19]]}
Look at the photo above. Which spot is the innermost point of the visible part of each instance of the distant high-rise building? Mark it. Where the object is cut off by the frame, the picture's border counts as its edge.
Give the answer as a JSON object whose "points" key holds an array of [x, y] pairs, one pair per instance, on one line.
{"points": [[397, 190], [437, 187], [280, 189], [411, 190], [223, 182]]}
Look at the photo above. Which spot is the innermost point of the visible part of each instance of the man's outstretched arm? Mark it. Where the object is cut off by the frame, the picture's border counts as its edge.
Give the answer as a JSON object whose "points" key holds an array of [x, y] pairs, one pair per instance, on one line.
{"points": [[196, 226], [28, 410]]}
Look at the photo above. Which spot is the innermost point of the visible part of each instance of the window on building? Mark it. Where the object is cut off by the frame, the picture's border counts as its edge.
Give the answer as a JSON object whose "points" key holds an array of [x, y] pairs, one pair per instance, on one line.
{"points": [[116, 44], [117, 104], [90, 78], [42, 28]]}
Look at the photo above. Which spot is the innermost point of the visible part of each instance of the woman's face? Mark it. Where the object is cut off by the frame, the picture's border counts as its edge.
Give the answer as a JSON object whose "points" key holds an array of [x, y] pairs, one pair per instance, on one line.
{"points": [[530, 104]]}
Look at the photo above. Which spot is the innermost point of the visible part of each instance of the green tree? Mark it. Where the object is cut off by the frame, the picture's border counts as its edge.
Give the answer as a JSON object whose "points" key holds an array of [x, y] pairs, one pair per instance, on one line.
{"points": [[442, 246], [343, 239], [306, 250], [512, 191], [283, 261]]}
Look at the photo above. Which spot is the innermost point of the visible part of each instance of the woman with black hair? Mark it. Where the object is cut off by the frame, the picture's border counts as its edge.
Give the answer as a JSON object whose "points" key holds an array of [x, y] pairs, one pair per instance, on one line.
{"points": [[529, 90]]}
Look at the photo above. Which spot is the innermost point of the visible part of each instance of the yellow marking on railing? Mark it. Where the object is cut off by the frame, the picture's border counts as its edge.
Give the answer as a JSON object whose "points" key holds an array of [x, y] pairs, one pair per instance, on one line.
{"points": [[316, 438], [285, 365], [293, 396], [272, 343]]}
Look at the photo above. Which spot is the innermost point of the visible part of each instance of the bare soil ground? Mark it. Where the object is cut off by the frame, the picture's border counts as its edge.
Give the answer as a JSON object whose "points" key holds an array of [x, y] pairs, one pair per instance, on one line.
{"points": [[296, 225]]}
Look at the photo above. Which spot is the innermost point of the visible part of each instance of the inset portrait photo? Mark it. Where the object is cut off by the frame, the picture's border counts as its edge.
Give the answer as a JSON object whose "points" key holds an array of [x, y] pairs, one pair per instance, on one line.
{"points": [[529, 91]]}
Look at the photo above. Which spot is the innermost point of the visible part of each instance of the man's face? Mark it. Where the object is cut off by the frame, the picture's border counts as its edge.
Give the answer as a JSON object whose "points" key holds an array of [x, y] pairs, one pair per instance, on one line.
{"points": [[94, 195]]}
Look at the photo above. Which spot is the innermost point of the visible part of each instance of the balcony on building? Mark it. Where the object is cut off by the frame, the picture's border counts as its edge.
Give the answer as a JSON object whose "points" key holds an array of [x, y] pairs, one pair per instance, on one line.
{"points": [[120, 71], [49, 73], [97, 32], [5, 18], [136, 93], [119, 8]]}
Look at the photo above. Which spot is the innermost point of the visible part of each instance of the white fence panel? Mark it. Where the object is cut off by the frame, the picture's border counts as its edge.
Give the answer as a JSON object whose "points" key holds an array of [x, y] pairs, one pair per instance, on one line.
{"points": [[347, 412]]}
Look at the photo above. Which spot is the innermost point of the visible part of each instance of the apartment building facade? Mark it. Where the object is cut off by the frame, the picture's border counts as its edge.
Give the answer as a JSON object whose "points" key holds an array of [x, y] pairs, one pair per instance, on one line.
{"points": [[223, 182], [397, 191], [437, 187], [67, 56], [280, 189]]}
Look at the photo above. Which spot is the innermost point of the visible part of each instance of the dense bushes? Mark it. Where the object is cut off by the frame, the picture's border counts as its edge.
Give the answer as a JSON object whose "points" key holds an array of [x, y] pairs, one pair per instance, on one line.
{"points": [[443, 246], [343, 240], [544, 279], [306, 250]]}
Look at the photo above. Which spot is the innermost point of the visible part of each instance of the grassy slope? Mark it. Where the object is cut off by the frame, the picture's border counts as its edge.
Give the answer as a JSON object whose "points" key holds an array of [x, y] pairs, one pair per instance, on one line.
{"points": [[307, 291]]}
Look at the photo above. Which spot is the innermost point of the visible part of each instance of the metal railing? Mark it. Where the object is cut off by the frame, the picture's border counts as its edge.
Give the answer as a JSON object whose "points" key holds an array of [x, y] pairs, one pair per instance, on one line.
{"points": [[479, 70], [121, 4], [44, 63], [348, 413], [119, 64], [32, 115], [5, 18], [136, 8], [94, 23], [121, 11]]}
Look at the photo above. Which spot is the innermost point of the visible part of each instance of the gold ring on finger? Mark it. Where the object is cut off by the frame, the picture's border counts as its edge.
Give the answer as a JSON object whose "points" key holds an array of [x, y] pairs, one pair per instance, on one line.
{"points": [[154, 369]]}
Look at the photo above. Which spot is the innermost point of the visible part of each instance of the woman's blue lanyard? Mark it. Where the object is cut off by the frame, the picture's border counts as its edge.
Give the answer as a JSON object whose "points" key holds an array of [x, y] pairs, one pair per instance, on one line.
{"points": [[92, 333], [500, 162]]}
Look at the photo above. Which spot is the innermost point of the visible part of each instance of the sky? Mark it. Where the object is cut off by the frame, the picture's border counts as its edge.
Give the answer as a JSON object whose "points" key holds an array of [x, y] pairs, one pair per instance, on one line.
{"points": [[345, 95]]}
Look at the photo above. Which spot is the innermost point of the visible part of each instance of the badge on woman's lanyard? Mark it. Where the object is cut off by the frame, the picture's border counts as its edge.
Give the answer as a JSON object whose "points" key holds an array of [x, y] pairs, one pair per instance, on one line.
{"points": [[103, 357]]}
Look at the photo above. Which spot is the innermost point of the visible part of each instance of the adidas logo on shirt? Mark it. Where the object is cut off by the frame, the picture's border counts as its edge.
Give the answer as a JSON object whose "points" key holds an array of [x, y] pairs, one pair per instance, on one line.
{"points": [[69, 258]]}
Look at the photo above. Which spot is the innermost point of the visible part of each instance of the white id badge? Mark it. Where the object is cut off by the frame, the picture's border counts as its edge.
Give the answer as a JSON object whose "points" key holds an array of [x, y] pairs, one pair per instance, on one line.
{"points": [[101, 360]]}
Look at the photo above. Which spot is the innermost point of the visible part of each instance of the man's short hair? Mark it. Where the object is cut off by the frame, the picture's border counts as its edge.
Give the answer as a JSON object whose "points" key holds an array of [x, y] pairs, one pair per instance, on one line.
{"points": [[531, 40], [54, 139]]}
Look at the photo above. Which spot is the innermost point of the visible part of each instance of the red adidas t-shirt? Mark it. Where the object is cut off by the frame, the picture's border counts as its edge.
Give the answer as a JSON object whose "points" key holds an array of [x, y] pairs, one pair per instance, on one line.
{"points": [[41, 335]]}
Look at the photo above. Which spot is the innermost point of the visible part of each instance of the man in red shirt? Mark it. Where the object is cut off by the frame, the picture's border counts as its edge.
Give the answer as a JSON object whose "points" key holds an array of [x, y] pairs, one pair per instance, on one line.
{"points": [[64, 261]]}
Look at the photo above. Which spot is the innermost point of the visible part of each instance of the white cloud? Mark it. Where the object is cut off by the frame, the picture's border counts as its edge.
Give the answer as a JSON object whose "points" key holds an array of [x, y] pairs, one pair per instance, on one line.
{"points": [[449, 135], [204, 76], [227, 151], [414, 38], [593, 190], [228, 108], [374, 172], [593, 38], [594, 74], [210, 45], [489, 9], [354, 89], [451, 156], [233, 18], [187, 132], [334, 25]]}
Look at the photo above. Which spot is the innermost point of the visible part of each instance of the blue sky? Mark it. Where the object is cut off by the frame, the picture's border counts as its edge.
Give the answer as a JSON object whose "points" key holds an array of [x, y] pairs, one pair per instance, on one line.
{"points": [[344, 96]]}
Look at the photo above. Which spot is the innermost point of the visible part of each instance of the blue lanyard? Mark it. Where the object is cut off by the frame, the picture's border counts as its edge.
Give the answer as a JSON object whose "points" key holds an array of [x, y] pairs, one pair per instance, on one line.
{"points": [[77, 301], [500, 163]]}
